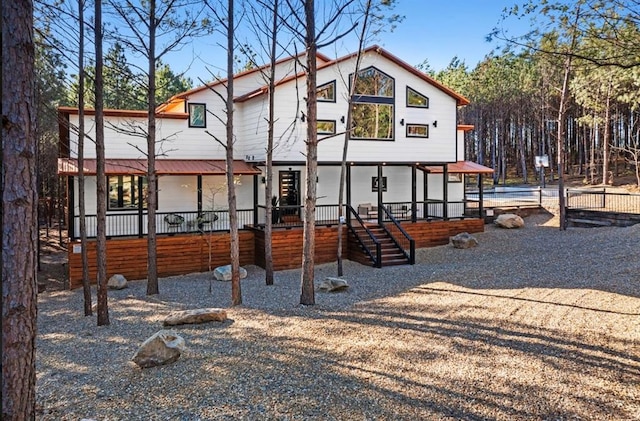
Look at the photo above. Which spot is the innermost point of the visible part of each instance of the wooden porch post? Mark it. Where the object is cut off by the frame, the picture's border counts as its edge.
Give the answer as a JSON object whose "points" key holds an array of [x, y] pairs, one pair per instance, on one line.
{"points": [[414, 193], [445, 192], [379, 194]]}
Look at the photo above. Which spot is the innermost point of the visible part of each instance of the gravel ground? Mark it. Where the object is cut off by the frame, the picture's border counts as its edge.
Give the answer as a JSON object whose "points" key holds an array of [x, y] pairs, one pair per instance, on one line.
{"points": [[533, 324]]}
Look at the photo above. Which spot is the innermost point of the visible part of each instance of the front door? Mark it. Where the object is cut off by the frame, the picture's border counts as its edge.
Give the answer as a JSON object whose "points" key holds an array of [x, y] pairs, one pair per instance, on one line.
{"points": [[290, 192]]}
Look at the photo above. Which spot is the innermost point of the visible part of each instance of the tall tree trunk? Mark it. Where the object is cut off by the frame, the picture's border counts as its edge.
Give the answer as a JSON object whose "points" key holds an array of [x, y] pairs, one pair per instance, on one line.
{"points": [[19, 212], [86, 288], [101, 182], [236, 293], [347, 136], [152, 180], [607, 135], [307, 296], [268, 223]]}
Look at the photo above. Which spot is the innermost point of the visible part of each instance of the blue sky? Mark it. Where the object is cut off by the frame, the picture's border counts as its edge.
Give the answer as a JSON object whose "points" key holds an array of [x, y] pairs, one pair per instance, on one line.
{"points": [[436, 30]]}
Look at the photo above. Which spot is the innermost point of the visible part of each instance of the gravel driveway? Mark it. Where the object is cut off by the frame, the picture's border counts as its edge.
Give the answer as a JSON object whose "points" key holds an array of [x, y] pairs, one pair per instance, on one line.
{"points": [[533, 324]]}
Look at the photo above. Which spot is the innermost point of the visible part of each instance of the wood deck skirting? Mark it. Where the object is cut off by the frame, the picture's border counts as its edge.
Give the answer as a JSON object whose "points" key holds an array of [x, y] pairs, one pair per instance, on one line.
{"points": [[177, 255], [188, 253]]}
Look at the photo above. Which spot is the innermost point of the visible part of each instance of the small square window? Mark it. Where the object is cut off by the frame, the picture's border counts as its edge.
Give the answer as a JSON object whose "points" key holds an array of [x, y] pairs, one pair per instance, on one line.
{"points": [[374, 184], [418, 130], [197, 115], [454, 178], [327, 92], [326, 127]]}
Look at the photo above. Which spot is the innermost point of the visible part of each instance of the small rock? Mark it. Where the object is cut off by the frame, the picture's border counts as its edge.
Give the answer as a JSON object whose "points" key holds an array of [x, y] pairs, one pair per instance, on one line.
{"points": [[509, 220], [223, 273], [164, 347], [202, 315], [117, 281], [464, 240], [333, 285]]}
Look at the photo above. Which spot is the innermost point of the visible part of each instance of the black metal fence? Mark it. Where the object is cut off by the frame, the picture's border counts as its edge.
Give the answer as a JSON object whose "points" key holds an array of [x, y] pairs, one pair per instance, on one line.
{"points": [[506, 197], [603, 200]]}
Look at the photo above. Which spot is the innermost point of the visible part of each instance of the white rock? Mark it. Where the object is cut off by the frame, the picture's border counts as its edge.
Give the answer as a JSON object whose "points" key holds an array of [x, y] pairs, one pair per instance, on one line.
{"points": [[117, 281], [333, 285], [223, 273], [509, 220], [464, 240], [201, 315], [163, 347]]}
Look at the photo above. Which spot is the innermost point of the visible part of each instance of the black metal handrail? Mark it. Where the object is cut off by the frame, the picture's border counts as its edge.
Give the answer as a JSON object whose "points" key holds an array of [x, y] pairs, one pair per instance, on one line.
{"points": [[404, 240], [377, 259], [293, 215]]}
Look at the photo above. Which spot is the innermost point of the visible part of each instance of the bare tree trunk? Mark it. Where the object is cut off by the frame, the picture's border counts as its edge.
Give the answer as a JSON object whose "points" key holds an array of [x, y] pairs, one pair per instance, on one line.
{"points": [[347, 136], [101, 182], [606, 141], [236, 293], [152, 181], [86, 288], [268, 223], [307, 295], [19, 212]]}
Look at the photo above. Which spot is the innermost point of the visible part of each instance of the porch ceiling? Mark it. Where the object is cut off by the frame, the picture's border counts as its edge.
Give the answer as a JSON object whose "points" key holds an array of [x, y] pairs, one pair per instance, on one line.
{"points": [[69, 166], [460, 167]]}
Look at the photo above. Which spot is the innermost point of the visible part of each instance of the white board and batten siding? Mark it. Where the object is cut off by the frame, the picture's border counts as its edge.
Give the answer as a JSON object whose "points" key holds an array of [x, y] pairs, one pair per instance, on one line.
{"points": [[440, 146]]}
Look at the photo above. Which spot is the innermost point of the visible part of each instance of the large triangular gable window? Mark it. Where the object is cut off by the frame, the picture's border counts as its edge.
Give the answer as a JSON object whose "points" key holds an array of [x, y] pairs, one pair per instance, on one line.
{"points": [[373, 105], [416, 99]]}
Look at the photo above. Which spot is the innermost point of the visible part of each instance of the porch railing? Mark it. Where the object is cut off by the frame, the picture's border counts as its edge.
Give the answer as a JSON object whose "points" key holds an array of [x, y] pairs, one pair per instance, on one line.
{"points": [[135, 224], [499, 197], [293, 216], [399, 235]]}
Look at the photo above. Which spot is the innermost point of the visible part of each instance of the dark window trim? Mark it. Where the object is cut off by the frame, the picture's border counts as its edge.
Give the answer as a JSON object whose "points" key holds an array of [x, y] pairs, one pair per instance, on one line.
{"points": [[333, 82], [417, 125], [138, 197], [204, 115], [326, 121], [421, 94], [373, 99]]}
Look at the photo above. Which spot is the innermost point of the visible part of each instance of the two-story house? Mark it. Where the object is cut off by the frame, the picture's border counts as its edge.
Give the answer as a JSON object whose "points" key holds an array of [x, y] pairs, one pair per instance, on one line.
{"points": [[405, 166]]}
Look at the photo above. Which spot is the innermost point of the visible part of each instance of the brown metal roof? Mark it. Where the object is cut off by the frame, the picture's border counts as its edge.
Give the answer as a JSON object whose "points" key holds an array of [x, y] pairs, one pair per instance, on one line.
{"points": [[69, 166], [460, 167]]}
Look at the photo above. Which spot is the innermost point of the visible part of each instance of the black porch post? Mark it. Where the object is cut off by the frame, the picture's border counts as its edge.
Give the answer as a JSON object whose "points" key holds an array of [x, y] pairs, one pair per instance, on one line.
{"points": [[445, 192], [480, 196], [199, 192], [71, 206], [348, 192], [140, 208], [425, 197], [255, 200], [414, 193], [379, 194]]}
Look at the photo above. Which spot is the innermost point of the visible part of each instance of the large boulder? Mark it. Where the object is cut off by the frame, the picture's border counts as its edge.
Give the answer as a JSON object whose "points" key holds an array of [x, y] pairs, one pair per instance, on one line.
{"points": [[464, 240], [201, 315], [333, 285], [117, 282], [223, 273], [509, 220], [164, 347]]}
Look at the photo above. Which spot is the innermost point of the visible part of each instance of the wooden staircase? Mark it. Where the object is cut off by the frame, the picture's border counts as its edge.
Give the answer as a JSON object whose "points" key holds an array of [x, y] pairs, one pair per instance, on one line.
{"points": [[391, 253]]}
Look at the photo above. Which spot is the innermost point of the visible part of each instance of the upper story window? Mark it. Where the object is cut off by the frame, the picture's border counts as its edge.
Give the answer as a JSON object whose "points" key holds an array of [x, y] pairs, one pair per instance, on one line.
{"points": [[125, 192], [327, 92], [326, 127], [197, 115], [416, 99], [418, 130], [373, 105]]}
